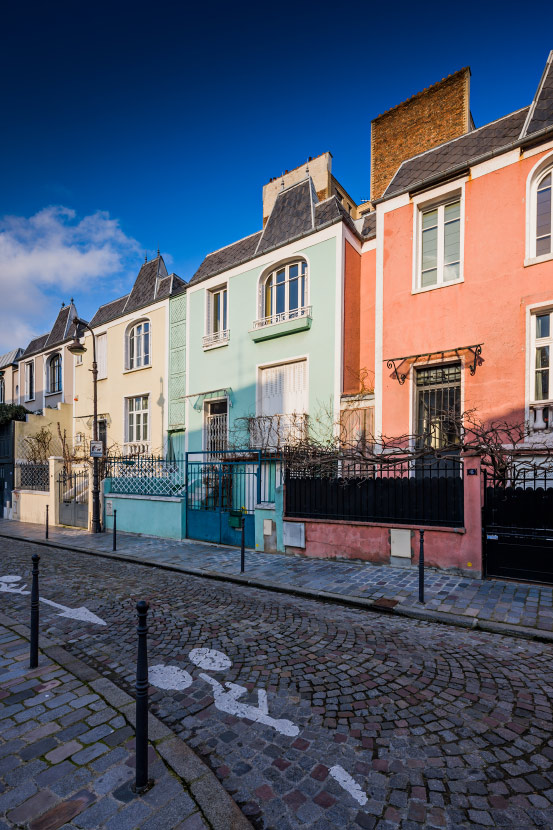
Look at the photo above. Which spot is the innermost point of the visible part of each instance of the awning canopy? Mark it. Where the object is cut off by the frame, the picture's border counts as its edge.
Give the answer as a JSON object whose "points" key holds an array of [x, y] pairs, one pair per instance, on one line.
{"points": [[205, 396], [397, 363]]}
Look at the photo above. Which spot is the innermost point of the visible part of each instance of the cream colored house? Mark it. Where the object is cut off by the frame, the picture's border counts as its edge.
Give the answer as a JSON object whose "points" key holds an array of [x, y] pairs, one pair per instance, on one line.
{"points": [[132, 354], [45, 376]]}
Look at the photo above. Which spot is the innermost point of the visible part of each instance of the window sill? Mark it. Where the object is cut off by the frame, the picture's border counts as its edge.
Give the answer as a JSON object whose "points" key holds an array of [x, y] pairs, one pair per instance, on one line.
{"points": [[535, 260], [436, 287], [49, 394], [138, 369], [280, 329]]}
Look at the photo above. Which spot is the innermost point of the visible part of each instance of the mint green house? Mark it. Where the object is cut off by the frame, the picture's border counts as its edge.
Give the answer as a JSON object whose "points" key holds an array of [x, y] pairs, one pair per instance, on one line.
{"points": [[256, 357]]}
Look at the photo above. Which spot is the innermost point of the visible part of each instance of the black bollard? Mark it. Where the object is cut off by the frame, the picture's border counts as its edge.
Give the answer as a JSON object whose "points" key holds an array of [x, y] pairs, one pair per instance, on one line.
{"points": [[33, 661], [242, 545], [47, 520], [114, 530], [141, 728], [421, 567]]}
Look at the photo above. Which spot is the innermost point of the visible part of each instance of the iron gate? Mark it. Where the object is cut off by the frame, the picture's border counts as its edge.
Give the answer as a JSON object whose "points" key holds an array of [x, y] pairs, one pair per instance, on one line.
{"points": [[517, 524], [214, 488], [73, 498]]}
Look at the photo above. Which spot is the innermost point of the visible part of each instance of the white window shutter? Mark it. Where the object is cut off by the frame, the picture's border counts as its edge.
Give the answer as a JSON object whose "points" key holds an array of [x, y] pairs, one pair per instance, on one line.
{"points": [[102, 355], [209, 312]]}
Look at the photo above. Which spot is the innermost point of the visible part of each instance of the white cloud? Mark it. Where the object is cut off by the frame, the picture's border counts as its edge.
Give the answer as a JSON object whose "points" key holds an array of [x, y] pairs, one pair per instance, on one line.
{"points": [[52, 256]]}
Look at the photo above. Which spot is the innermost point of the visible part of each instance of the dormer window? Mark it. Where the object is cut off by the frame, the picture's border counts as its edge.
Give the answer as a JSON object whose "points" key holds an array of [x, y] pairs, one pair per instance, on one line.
{"points": [[138, 345], [54, 374], [284, 293]]}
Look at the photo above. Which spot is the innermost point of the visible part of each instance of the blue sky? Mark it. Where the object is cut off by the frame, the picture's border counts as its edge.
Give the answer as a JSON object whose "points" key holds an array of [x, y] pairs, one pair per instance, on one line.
{"points": [[129, 126]]}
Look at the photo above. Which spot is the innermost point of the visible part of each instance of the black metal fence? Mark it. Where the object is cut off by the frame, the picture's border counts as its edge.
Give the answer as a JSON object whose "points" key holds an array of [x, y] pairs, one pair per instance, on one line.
{"points": [[33, 477], [521, 499], [416, 491]]}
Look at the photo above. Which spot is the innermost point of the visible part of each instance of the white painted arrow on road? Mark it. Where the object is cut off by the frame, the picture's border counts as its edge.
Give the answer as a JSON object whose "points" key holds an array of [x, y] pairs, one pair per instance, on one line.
{"points": [[8, 585], [82, 613]]}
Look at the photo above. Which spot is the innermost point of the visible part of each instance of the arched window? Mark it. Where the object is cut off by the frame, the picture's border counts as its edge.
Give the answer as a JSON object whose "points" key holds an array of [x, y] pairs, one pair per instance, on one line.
{"points": [[54, 374], [138, 345], [544, 214], [539, 216], [284, 293], [2, 391]]}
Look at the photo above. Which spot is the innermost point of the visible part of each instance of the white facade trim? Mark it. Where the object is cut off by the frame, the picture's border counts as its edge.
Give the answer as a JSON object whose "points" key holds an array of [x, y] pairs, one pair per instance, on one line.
{"points": [[381, 210], [495, 163], [539, 168], [339, 326]]}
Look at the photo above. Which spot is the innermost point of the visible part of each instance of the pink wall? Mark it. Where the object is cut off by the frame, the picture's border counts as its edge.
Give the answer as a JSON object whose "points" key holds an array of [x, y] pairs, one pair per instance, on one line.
{"points": [[459, 549], [489, 307], [359, 299]]}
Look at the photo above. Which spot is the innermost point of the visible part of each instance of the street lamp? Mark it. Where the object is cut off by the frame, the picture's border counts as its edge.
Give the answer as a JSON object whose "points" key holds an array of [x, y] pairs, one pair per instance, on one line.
{"points": [[76, 348]]}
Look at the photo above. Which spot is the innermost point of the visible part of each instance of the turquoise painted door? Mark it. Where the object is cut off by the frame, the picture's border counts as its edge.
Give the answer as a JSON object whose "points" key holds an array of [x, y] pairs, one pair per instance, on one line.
{"points": [[214, 488]]}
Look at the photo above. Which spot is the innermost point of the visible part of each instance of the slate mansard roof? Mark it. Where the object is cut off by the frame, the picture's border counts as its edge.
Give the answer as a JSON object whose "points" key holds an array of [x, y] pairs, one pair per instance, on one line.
{"points": [[510, 131], [61, 331], [10, 358], [152, 284], [296, 213]]}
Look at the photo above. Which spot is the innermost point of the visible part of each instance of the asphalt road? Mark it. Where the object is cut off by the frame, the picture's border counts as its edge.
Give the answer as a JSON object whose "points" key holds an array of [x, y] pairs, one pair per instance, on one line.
{"points": [[342, 719]]}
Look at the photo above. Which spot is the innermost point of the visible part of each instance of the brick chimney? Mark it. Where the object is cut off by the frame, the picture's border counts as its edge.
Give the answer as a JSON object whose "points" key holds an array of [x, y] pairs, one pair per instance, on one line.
{"points": [[431, 117]]}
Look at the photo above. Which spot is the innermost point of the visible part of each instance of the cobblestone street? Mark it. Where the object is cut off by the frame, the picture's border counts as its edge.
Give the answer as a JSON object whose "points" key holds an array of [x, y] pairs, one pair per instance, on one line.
{"points": [[494, 604], [431, 726]]}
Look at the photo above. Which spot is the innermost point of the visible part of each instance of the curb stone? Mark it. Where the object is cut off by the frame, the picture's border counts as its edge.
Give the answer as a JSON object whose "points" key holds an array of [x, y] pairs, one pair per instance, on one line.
{"points": [[455, 620], [215, 803]]}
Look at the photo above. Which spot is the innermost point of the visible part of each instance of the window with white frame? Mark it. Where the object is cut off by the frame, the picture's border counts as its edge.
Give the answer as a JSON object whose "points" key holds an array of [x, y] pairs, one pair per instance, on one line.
{"points": [[542, 339], [138, 345], [544, 214], [54, 374], [137, 419], [30, 381], [439, 259], [2, 390], [284, 294], [102, 355], [216, 329]]}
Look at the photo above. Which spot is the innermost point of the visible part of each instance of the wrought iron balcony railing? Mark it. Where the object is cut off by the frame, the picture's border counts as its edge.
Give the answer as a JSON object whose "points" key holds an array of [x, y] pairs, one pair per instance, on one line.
{"points": [[218, 338], [283, 317]]}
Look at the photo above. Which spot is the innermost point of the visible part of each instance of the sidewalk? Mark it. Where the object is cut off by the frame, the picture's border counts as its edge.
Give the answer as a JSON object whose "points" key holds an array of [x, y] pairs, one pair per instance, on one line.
{"points": [[519, 609], [66, 753]]}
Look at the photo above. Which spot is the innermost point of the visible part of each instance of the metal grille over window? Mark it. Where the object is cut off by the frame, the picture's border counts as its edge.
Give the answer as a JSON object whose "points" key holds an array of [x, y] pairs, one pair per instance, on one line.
{"points": [[438, 406], [216, 426], [33, 477]]}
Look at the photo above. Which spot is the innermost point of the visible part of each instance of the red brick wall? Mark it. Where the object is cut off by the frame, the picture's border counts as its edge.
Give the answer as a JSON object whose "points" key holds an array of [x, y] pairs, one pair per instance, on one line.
{"points": [[435, 115]]}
